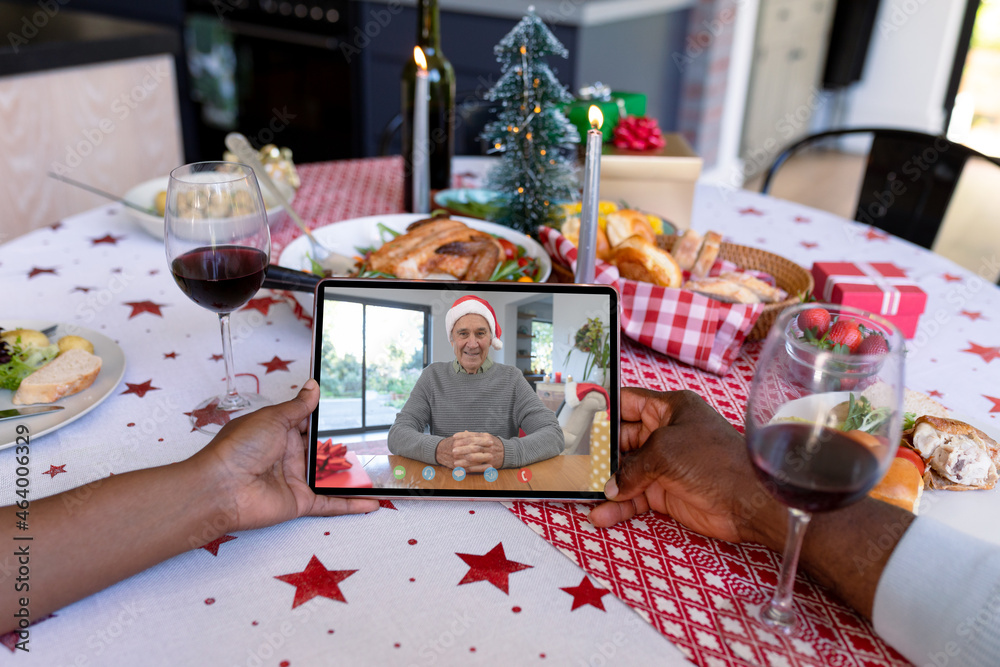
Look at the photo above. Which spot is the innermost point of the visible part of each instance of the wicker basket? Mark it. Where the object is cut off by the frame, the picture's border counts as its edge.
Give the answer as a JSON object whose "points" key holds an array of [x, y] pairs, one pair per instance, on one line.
{"points": [[788, 275]]}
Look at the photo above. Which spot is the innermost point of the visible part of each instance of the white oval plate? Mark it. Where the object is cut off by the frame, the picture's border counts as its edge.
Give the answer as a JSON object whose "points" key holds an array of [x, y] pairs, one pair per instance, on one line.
{"points": [[75, 406], [344, 237], [972, 512]]}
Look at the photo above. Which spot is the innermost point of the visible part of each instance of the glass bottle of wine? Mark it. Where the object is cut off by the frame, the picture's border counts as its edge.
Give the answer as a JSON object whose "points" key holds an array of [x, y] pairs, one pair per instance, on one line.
{"points": [[441, 76]]}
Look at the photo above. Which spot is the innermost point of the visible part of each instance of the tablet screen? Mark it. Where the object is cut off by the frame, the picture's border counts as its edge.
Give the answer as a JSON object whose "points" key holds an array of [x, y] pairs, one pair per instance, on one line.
{"points": [[465, 390]]}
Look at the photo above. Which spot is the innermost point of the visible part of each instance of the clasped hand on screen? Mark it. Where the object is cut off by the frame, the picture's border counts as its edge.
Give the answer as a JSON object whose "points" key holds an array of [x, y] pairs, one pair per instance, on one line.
{"points": [[473, 451]]}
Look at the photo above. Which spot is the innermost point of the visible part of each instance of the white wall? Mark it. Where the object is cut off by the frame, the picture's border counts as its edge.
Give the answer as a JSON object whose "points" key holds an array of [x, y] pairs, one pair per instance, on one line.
{"points": [[909, 63], [903, 84], [569, 313]]}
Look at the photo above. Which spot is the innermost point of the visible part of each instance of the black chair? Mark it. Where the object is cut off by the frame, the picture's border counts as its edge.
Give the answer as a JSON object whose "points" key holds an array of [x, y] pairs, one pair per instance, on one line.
{"points": [[909, 179]]}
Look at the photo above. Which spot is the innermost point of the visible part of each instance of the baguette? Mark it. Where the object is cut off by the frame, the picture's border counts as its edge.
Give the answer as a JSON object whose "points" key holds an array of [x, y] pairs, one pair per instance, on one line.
{"points": [[765, 292], [625, 223], [685, 250], [638, 259], [710, 245], [721, 289], [69, 373]]}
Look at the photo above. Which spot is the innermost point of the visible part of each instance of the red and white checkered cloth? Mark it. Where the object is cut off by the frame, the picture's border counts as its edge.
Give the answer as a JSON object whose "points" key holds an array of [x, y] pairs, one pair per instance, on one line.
{"points": [[679, 323]]}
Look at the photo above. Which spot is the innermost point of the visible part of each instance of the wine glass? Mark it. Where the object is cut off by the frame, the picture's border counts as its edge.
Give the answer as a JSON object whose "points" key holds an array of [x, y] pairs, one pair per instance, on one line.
{"points": [[823, 423], [218, 247]]}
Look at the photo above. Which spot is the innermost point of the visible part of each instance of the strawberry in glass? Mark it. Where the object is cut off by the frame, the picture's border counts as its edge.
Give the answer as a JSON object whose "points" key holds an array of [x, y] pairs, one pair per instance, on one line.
{"points": [[816, 320], [874, 344], [845, 333]]}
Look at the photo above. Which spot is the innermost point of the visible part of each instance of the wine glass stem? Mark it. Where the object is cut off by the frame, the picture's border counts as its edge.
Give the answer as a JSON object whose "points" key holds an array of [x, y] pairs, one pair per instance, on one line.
{"points": [[778, 614], [232, 400]]}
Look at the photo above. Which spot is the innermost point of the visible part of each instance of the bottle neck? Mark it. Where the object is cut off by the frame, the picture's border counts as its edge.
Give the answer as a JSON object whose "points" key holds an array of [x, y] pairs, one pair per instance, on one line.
{"points": [[428, 25]]}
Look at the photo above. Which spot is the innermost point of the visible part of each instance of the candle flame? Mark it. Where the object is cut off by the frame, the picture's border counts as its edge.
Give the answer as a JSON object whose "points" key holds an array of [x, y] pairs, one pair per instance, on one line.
{"points": [[418, 55], [596, 117]]}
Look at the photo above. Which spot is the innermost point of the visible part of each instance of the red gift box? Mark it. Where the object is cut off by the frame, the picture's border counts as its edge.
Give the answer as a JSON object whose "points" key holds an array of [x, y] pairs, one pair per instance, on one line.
{"points": [[877, 287]]}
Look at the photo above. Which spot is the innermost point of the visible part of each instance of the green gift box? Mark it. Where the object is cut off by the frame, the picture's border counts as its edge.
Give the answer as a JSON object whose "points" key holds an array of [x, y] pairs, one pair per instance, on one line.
{"points": [[620, 105]]}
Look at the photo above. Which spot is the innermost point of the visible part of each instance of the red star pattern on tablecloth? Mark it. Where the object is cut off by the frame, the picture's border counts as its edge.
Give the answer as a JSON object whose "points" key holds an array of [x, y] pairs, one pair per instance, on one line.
{"points": [[56, 226], [55, 470], [876, 235], [140, 389], [935, 393], [492, 567], [586, 593], [801, 218], [107, 238], [169, 355], [139, 307], [210, 414], [213, 546], [315, 581], [987, 353], [85, 290], [951, 278], [215, 357], [276, 364], [808, 245], [36, 271], [971, 315], [385, 503], [263, 304], [750, 210], [996, 403]]}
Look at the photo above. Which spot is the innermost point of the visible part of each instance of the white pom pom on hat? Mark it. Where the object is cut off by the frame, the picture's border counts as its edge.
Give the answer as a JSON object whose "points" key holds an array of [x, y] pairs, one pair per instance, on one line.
{"points": [[473, 305]]}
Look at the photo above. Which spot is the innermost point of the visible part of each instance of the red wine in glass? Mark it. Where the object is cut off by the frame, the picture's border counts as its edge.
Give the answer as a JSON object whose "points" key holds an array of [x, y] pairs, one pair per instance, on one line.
{"points": [[798, 438], [222, 278], [812, 469], [218, 246]]}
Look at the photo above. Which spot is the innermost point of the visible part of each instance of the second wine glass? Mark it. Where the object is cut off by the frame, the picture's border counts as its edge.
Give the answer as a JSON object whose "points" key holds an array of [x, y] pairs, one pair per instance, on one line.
{"points": [[823, 421], [218, 247]]}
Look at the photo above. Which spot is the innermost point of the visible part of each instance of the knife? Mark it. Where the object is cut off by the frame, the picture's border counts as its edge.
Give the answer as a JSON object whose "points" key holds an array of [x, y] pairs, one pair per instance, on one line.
{"points": [[14, 413]]}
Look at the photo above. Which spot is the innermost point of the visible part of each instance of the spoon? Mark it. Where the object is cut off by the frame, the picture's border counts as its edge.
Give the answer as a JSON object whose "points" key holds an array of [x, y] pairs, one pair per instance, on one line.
{"points": [[102, 193], [335, 263]]}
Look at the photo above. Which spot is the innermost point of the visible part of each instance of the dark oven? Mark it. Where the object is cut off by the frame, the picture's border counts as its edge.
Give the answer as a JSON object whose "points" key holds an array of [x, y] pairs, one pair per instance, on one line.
{"points": [[275, 71]]}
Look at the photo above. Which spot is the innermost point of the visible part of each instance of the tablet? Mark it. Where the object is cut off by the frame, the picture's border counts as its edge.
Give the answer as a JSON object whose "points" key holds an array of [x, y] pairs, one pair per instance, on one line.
{"points": [[464, 390]]}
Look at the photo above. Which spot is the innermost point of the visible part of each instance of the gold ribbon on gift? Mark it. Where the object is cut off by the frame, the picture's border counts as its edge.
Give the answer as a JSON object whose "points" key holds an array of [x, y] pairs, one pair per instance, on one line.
{"points": [[600, 451]]}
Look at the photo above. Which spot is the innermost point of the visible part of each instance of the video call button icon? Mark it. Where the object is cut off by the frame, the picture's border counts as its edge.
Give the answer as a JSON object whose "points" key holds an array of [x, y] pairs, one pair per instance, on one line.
{"points": [[399, 472], [458, 473], [428, 473], [491, 474]]}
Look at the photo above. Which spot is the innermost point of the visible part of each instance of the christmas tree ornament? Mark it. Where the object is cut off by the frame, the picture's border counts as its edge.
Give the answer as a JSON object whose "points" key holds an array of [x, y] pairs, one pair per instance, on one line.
{"points": [[536, 142]]}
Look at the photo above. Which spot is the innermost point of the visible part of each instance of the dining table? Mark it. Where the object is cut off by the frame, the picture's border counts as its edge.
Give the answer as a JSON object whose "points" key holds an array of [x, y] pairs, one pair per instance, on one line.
{"points": [[430, 582]]}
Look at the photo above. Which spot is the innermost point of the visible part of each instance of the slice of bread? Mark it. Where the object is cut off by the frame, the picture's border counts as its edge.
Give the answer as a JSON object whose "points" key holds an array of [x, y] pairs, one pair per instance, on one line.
{"points": [[70, 372], [638, 259]]}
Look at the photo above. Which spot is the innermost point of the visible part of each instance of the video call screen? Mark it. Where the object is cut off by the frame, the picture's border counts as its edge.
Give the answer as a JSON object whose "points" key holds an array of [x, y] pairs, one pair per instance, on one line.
{"points": [[401, 415]]}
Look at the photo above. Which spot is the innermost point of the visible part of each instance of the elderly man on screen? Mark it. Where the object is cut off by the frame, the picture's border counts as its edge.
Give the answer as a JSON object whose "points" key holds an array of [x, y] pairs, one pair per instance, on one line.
{"points": [[474, 407]]}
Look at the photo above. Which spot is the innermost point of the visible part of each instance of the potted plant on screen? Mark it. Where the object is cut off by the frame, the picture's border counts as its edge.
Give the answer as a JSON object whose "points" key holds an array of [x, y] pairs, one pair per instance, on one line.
{"points": [[594, 340]]}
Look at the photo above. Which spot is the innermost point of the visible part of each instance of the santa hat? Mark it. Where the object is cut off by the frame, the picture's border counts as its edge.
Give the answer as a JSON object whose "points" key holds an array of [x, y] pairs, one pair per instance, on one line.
{"points": [[577, 391], [473, 305]]}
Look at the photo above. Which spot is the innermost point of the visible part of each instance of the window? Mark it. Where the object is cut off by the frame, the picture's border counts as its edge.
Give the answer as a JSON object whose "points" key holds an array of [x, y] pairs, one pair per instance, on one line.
{"points": [[541, 346], [373, 353]]}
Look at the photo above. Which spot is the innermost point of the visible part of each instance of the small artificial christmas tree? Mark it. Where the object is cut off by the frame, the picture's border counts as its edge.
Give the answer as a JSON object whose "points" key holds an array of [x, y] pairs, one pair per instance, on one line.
{"points": [[536, 140]]}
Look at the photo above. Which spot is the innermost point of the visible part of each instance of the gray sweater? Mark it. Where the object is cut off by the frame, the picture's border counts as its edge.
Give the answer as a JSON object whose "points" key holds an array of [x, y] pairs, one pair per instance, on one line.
{"points": [[498, 401]]}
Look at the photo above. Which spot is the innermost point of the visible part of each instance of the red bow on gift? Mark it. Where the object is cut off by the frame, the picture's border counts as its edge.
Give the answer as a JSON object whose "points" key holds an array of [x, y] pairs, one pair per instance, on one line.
{"points": [[331, 457], [638, 133]]}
